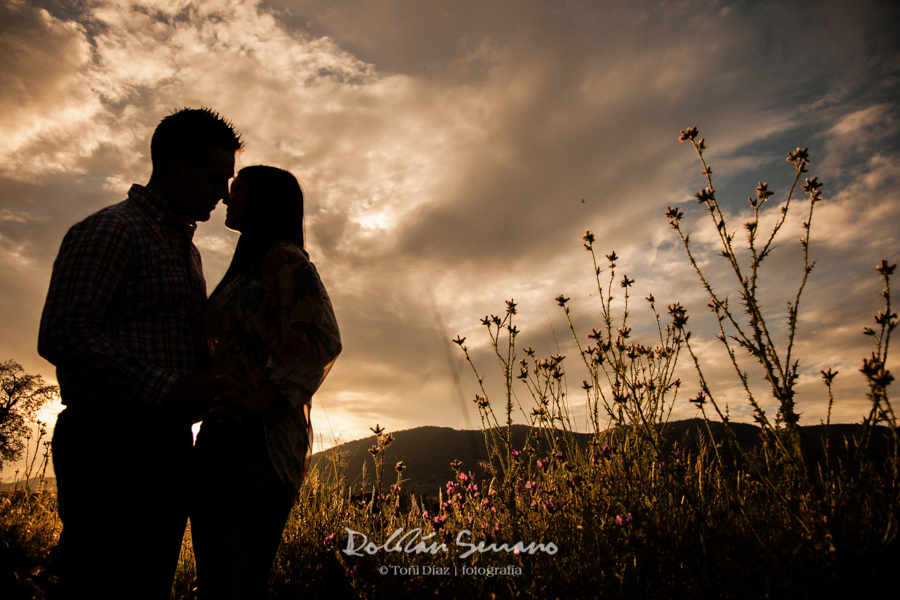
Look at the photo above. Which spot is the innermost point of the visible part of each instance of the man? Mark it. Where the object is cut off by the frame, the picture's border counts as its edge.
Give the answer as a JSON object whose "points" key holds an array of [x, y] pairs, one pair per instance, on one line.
{"points": [[122, 325]]}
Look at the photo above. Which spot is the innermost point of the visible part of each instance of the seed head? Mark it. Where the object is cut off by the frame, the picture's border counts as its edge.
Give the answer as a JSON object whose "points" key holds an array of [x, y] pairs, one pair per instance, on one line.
{"points": [[885, 269], [704, 195], [678, 314], [800, 156], [674, 215], [688, 134], [588, 240], [561, 300], [828, 376]]}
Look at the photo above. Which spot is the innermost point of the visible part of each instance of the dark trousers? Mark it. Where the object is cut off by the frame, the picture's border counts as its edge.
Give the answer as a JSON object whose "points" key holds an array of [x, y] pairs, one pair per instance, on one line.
{"points": [[123, 498], [238, 511]]}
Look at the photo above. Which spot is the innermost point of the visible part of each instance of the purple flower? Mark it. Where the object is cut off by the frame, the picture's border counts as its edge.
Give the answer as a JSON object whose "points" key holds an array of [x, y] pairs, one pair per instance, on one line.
{"points": [[531, 487], [624, 520], [330, 540], [606, 451], [438, 522]]}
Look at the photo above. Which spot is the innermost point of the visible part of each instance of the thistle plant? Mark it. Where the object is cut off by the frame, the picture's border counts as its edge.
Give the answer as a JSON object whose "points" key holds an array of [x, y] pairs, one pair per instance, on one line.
{"points": [[750, 332], [382, 441]]}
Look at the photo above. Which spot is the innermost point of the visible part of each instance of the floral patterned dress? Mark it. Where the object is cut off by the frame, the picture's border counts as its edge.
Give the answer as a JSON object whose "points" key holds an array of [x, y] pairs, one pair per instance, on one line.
{"points": [[276, 325]]}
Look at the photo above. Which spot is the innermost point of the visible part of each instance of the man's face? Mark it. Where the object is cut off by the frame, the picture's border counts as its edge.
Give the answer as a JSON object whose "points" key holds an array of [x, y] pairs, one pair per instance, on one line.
{"points": [[198, 190]]}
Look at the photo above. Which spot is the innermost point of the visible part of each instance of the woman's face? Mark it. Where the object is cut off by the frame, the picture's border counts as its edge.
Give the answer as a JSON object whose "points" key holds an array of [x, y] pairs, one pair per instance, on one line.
{"points": [[236, 216]]}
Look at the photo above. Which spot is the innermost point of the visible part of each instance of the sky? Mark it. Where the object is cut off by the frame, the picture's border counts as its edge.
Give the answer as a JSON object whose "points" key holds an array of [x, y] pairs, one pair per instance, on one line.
{"points": [[452, 156]]}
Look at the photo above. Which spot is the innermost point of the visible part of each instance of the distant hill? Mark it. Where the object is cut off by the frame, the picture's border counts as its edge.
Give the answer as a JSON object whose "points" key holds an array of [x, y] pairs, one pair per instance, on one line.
{"points": [[33, 484], [428, 451]]}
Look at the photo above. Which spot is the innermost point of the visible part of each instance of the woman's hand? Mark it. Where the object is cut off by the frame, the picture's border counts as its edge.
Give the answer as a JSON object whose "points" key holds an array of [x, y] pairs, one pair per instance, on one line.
{"points": [[239, 404]]}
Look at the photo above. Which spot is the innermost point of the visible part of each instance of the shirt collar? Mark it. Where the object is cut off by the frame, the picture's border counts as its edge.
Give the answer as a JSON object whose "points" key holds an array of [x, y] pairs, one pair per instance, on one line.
{"points": [[158, 208]]}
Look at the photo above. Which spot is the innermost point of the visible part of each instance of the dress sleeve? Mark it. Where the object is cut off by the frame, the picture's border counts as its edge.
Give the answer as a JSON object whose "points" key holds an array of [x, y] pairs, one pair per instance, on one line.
{"points": [[93, 264], [308, 339]]}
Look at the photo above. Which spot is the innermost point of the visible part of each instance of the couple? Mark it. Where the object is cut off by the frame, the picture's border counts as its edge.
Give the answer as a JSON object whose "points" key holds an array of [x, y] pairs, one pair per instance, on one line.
{"points": [[141, 354]]}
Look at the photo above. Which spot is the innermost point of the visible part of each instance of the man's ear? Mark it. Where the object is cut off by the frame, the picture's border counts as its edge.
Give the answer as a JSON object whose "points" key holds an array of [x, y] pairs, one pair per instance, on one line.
{"points": [[176, 167]]}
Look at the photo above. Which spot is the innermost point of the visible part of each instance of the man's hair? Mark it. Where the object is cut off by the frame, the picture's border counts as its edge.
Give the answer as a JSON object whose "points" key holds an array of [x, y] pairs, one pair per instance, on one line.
{"points": [[191, 133]]}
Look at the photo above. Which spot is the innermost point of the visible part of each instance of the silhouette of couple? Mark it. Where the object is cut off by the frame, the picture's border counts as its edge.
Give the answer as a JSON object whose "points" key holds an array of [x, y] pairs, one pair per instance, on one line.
{"points": [[142, 353]]}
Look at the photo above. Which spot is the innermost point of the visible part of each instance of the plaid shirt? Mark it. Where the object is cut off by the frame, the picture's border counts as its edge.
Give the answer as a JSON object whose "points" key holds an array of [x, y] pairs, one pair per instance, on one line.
{"points": [[122, 317]]}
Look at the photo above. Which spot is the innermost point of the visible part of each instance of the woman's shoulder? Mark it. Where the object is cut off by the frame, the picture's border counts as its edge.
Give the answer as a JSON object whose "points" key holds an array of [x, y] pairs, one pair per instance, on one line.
{"points": [[286, 254]]}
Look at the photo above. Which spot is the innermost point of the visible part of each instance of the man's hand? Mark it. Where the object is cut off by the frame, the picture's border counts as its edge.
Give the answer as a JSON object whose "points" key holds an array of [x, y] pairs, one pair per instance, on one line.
{"points": [[197, 393], [234, 405]]}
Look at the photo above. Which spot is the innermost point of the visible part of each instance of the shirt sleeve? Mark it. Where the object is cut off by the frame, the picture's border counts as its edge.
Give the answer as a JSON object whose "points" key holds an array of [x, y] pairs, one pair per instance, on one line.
{"points": [[90, 271], [308, 337]]}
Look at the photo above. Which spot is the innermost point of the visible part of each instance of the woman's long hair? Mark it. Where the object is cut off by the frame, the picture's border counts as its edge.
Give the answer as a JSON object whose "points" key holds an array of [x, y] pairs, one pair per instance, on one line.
{"points": [[274, 213]]}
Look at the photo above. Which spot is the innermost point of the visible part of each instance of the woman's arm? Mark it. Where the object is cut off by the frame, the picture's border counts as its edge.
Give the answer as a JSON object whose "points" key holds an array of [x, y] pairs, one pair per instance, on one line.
{"points": [[302, 334]]}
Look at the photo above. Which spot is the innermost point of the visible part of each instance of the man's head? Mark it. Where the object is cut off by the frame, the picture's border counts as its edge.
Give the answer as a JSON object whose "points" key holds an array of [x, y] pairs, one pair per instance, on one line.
{"points": [[192, 151]]}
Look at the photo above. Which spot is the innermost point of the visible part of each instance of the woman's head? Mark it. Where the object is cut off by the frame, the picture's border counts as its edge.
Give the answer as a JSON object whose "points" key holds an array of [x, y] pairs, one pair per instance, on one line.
{"points": [[266, 205]]}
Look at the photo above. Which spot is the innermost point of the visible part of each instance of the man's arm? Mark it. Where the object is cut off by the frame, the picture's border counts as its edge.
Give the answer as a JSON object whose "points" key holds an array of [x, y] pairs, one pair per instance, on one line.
{"points": [[94, 262]]}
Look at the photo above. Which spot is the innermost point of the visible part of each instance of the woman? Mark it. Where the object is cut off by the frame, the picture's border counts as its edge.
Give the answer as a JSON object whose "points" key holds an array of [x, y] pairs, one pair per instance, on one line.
{"points": [[270, 322]]}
